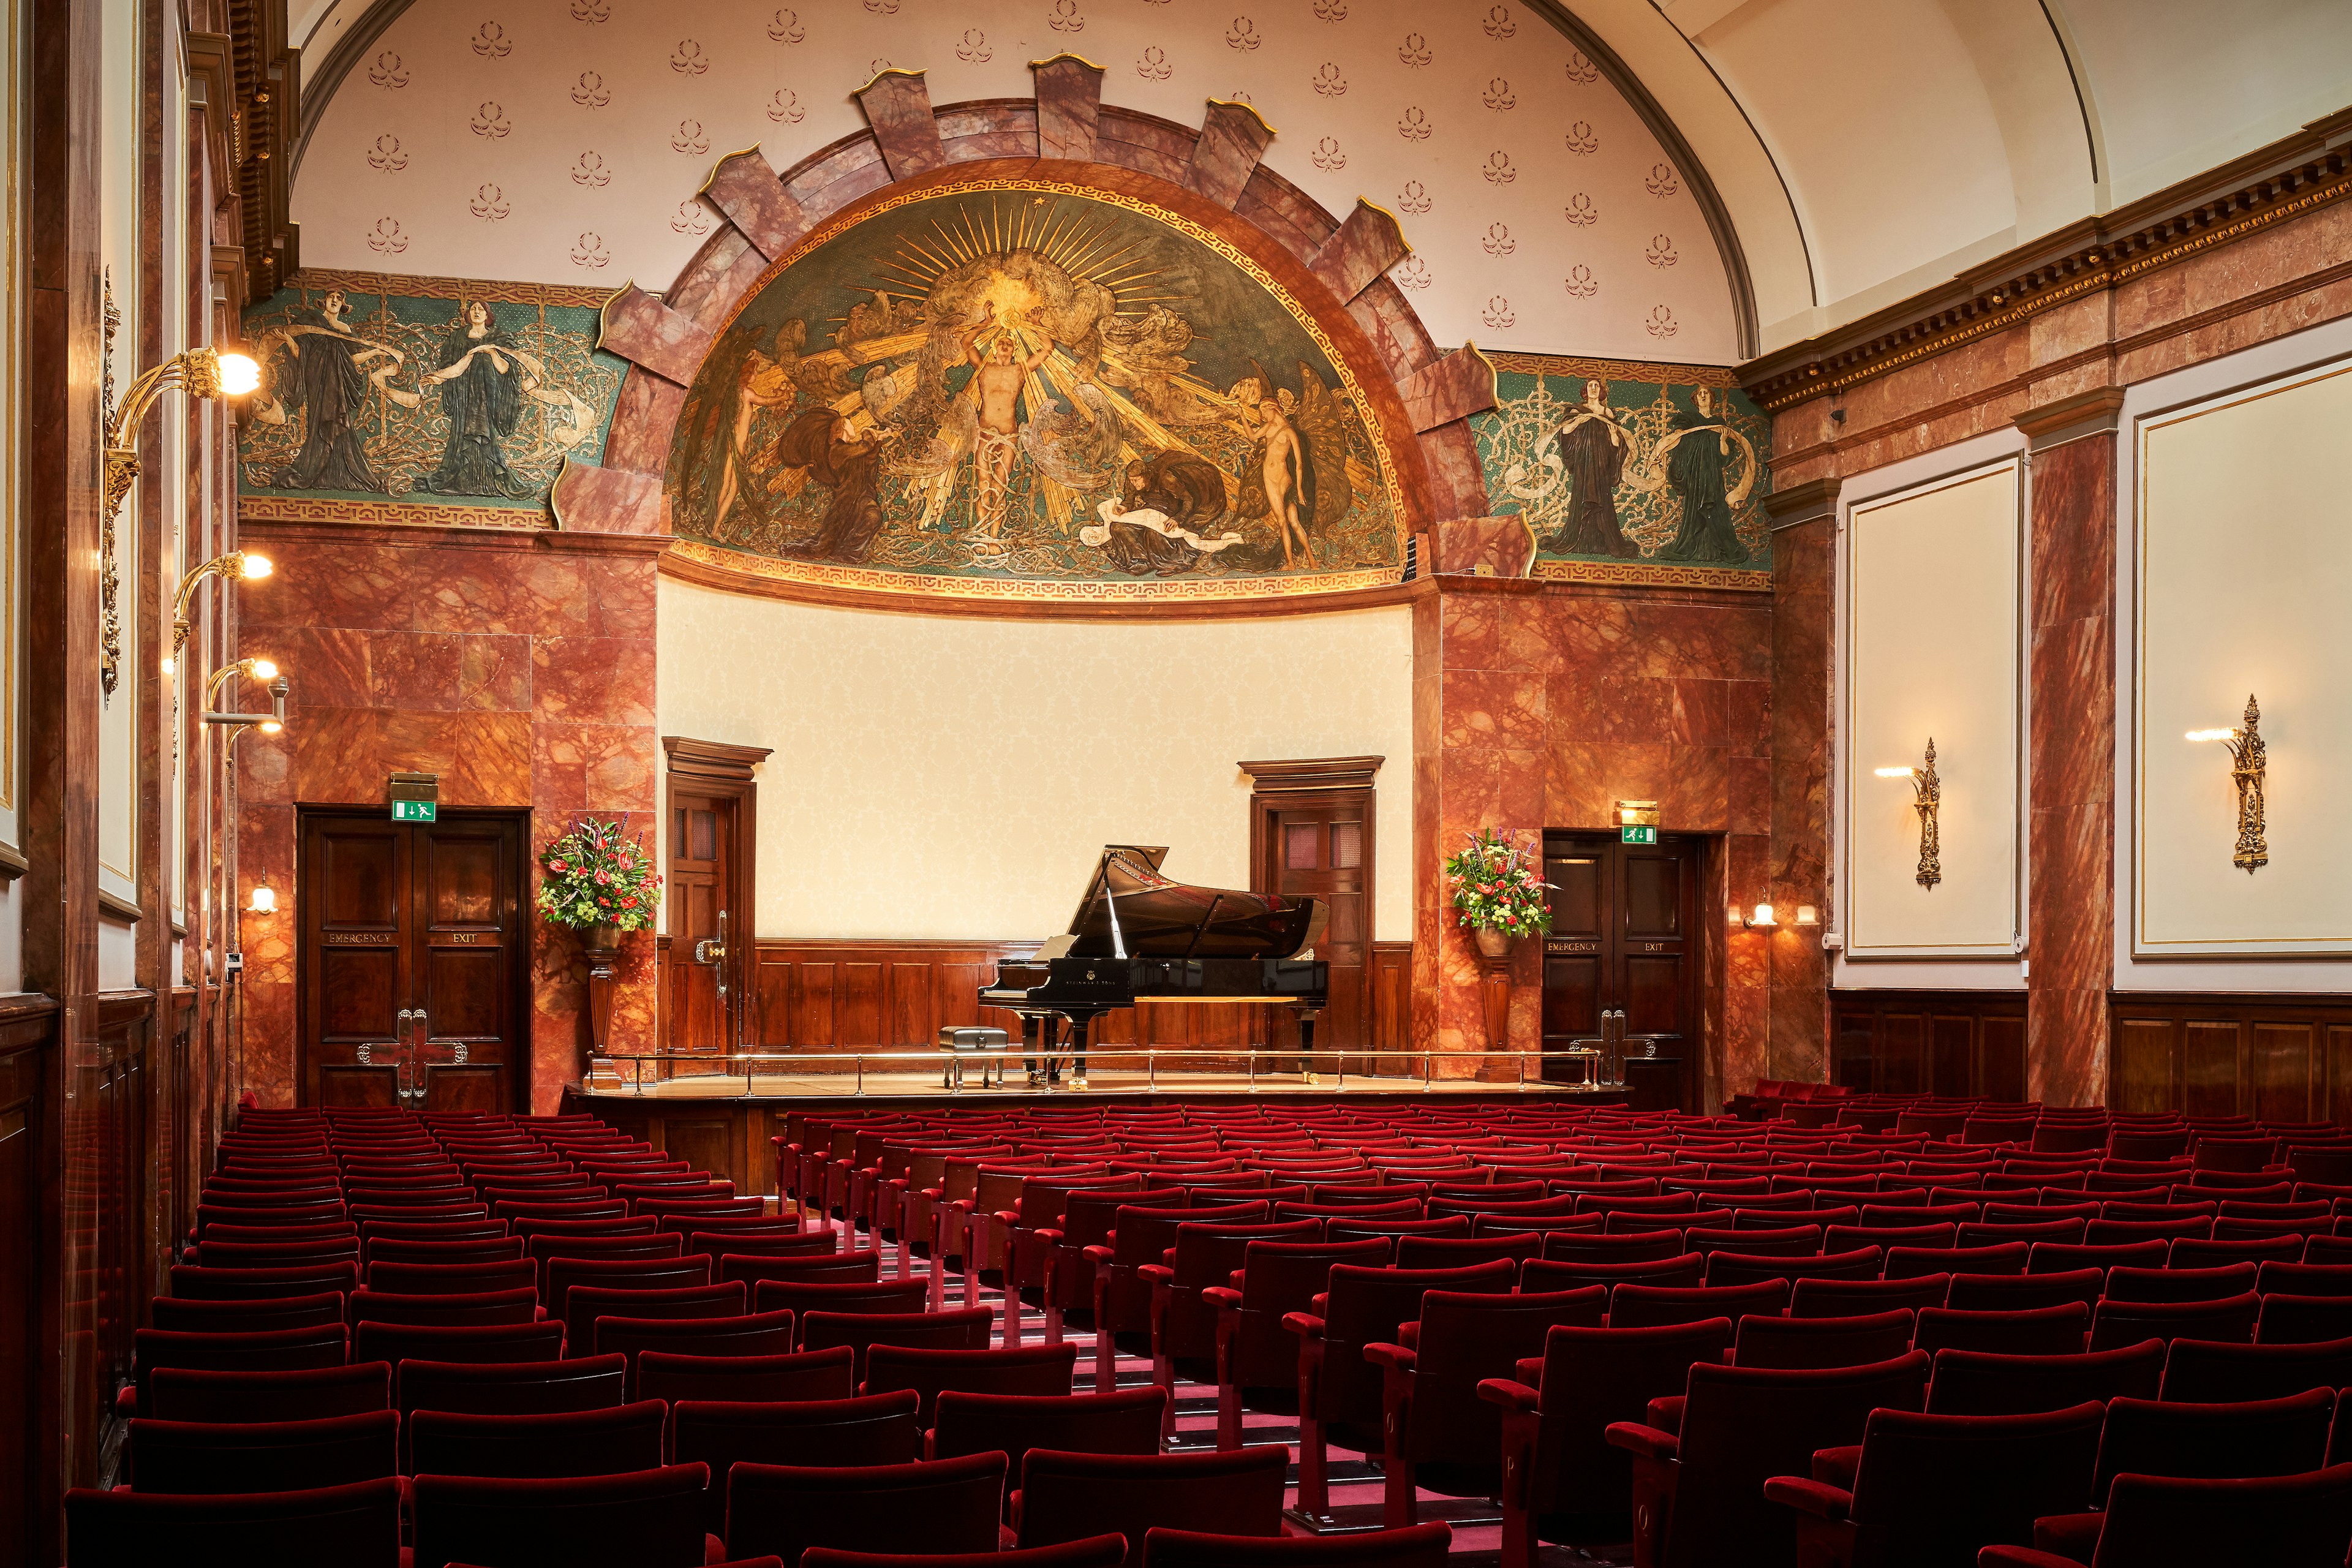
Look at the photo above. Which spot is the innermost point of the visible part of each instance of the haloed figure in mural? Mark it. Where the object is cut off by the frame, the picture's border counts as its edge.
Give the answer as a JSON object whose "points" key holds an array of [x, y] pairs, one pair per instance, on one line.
{"points": [[1593, 445], [1696, 455], [999, 374], [483, 378], [321, 375]]}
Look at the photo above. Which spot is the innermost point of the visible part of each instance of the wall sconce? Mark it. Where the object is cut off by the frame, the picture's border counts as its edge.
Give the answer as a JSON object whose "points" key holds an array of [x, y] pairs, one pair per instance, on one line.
{"points": [[264, 900], [2248, 761], [1808, 916], [1928, 794], [259, 668], [203, 373], [269, 723], [242, 563], [1765, 917]]}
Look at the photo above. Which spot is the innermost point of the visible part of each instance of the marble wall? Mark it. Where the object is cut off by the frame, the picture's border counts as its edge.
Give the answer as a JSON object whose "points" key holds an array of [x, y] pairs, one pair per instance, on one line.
{"points": [[520, 670], [1539, 705]]}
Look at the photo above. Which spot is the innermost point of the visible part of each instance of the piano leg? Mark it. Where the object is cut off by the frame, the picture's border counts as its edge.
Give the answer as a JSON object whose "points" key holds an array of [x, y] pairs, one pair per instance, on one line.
{"points": [[1078, 1027], [1306, 1016], [1033, 1029]]}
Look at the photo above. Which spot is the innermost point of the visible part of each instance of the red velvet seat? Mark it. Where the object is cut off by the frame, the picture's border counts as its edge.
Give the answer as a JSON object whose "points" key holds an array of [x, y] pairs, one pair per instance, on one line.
{"points": [[1799, 1343], [1128, 1422], [2287, 1320], [1340, 1394], [1662, 1306], [2232, 1319], [2035, 1331], [862, 1267], [877, 1430], [749, 1334], [1979, 1383], [1139, 1239], [282, 1350], [355, 1526], [824, 1374], [782, 1510], [215, 1459], [561, 1273], [189, 1282], [1416, 1546], [649, 1519], [256, 1316], [1030, 1370], [2180, 1284], [2296, 1522], [2025, 1292], [1095, 1551], [1853, 1298], [894, 1298], [488, 1248], [395, 1343], [399, 1278], [1439, 1434], [585, 1304], [1070, 1497], [1562, 1480], [1916, 1262], [1581, 1247], [2208, 1372], [1184, 1319], [611, 1441], [198, 1394], [1257, 1362], [1737, 1269], [965, 1330], [483, 1309], [1932, 1490]]}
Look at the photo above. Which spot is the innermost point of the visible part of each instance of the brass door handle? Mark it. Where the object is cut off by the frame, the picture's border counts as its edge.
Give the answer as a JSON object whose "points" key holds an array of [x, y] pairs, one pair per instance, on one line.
{"points": [[708, 951]]}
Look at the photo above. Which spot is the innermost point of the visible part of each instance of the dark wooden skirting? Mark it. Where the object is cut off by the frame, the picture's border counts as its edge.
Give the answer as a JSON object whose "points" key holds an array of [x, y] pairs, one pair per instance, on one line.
{"points": [[1937, 1042], [2279, 1058]]}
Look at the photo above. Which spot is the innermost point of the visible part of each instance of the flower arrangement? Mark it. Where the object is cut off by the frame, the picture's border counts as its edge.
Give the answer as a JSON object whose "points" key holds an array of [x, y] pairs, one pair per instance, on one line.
{"points": [[1495, 888], [596, 876]]}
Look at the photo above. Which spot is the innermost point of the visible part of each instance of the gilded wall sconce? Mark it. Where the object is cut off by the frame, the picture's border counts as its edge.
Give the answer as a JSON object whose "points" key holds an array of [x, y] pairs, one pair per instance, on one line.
{"points": [[2248, 758], [1927, 795]]}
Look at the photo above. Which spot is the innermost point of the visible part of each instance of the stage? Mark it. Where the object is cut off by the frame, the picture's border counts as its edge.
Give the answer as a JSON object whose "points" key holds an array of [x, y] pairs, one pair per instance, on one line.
{"points": [[724, 1122]]}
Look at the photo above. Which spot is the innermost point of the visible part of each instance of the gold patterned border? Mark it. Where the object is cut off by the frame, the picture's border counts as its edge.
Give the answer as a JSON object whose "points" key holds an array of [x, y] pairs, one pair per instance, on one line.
{"points": [[873, 207], [1727, 578], [1645, 370], [413, 514], [827, 574], [316, 278]]}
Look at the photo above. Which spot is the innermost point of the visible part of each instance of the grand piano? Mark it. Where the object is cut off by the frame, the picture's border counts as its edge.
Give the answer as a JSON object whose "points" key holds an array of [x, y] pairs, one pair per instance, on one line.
{"points": [[1139, 936]]}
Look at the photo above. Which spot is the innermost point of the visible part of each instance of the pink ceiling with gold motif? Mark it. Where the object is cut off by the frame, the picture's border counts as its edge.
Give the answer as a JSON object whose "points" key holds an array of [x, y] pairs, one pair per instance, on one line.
{"points": [[562, 141]]}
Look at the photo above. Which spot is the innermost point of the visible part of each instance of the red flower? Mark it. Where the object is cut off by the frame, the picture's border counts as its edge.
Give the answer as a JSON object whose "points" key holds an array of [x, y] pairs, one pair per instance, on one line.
{"points": [[603, 877], [629, 903]]}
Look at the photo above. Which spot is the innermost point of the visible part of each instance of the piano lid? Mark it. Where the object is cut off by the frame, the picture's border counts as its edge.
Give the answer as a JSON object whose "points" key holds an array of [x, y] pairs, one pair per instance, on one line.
{"points": [[1130, 908]]}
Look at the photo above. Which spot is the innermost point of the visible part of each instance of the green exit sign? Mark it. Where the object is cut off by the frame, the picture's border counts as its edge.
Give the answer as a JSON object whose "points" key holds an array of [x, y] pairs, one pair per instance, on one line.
{"points": [[415, 810], [1637, 835]]}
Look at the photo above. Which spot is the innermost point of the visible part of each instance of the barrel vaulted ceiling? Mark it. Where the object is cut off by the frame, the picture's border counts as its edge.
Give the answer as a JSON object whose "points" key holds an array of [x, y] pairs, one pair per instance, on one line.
{"points": [[1664, 179]]}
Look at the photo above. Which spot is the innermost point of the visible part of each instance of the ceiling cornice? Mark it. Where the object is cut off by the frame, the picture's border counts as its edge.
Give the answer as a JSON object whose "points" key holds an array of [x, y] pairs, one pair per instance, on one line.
{"points": [[2247, 195]]}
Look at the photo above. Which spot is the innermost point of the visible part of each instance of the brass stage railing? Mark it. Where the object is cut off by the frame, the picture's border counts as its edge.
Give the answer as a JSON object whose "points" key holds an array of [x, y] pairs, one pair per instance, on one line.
{"points": [[747, 1063]]}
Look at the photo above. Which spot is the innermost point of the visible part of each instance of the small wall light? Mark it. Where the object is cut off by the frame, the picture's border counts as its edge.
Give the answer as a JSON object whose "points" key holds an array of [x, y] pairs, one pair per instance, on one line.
{"points": [[264, 900], [1764, 918], [1808, 916], [2249, 759], [1927, 795], [242, 563]]}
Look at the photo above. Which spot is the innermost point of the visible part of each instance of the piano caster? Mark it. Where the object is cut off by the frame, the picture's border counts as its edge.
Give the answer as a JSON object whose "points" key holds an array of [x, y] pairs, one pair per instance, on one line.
{"points": [[1078, 1083]]}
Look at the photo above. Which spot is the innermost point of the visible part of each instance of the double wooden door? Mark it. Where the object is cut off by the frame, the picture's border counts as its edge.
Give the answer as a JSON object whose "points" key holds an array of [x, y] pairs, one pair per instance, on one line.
{"points": [[1623, 953], [413, 960]]}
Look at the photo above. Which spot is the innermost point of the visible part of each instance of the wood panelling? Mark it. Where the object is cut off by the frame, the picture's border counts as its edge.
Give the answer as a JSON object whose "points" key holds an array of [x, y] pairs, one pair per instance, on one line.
{"points": [[2278, 1057], [1929, 1042], [840, 995]]}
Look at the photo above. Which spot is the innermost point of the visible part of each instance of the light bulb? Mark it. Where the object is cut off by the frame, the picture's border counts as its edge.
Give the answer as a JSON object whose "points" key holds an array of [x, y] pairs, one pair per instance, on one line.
{"points": [[257, 565], [170, 667], [238, 375], [1892, 772], [2210, 734], [1763, 916], [270, 726], [264, 671], [265, 901]]}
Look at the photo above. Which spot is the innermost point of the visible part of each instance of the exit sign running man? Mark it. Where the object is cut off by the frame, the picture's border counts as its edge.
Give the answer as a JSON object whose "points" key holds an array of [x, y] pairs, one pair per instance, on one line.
{"points": [[415, 810], [1631, 834]]}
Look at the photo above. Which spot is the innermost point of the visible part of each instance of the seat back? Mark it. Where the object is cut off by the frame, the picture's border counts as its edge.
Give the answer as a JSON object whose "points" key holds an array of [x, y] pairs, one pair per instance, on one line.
{"points": [[1034, 1370], [2292, 1521], [1089, 1215], [2289, 1318], [1981, 1382], [583, 1304], [395, 1343], [1592, 1377], [1126, 1422], [510, 1388], [2232, 1319], [2180, 1284], [1853, 1297], [614, 1441], [966, 1330], [1793, 1343], [1070, 1496], [819, 1374], [1662, 1306], [944, 1508], [2023, 1292], [519, 1305], [879, 1430], [1742, 1425], [2037, 1331], [276, 1350], [670, 1271], [213, 1459], [355, 1526], [2213, 1372], [1466, 1338], [750, 1334], [862, 1267], [452, 1279], [1365, 1306], [651, 1516], [200, 1394], [247, 1316], [893, 1297], [2236, 1441], [1932, 1489]]}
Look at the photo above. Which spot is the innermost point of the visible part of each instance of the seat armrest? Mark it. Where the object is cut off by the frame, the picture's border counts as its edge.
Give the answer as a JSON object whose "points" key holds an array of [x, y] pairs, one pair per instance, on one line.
{"points": [[1409, 1334], [1510, 1395], [1222, 1299], [1666, 1413], [2075, 1536], [1306, 1325], [1047, 1236], [1530, 1369], [1837, 1467], [933, 1193], [1099, 1256], [1236, 1277], [1395, 1357], [1644, 1442], [1155, 1273], [1816, 1498]]}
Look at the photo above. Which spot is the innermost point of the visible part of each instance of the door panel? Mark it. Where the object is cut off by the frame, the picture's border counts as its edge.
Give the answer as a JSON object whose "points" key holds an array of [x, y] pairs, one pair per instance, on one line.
{"points": [[404, 917], [704, 1000], [1621, 942], [1318, 852]]}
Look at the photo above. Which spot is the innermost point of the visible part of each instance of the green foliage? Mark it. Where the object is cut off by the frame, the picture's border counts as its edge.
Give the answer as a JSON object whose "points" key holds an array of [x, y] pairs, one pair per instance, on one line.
{"points": [[595, 875], [1495, 888]]}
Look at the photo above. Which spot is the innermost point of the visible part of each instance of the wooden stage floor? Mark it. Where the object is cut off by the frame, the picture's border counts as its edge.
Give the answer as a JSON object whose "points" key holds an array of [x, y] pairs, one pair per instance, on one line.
{"points": [[1116, 1084]]}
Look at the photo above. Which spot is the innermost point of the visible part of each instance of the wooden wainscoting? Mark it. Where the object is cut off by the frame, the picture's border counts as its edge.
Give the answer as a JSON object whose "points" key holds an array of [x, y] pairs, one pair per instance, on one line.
{"points": [[2278, 1057], [829, 995], [1934, 1042]]}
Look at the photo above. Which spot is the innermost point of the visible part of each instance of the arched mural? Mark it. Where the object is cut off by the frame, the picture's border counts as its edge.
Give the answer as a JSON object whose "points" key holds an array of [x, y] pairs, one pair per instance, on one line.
{"points": [[1021, 387]]}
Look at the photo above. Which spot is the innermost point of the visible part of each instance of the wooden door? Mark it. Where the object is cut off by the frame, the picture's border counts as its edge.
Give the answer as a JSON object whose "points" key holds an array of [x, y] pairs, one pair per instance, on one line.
{"points": [[1323, 850], [1624, 939], [407, 918], [20, 1295], [705, 954]]}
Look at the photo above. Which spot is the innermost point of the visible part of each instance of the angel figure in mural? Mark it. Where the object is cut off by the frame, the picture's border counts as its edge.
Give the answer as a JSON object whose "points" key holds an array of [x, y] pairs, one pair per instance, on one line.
{"points": [[318, 369], [766, 382], [998, 377], [1694, 455], [1297, 474], [1593, 443], [483, 379], [824, 445]]}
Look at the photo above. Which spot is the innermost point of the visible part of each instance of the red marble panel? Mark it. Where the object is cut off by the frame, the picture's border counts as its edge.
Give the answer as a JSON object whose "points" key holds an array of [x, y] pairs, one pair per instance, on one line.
{"points": [[1698, 794], [590, 499], [325, 666], [334, 754], [1747, 718], [494, 672], [416, 670], [1292, 224], [642, 330], [483, 759], [644, 415], [366, 586], [1460, 385], [699, 290], [1469, 628], [1458, 484], [1234, 137], [899, 106], [604, 681], [1369, 243], [618, 764], [1748, 802], [1069, 107], [742, 186]]}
